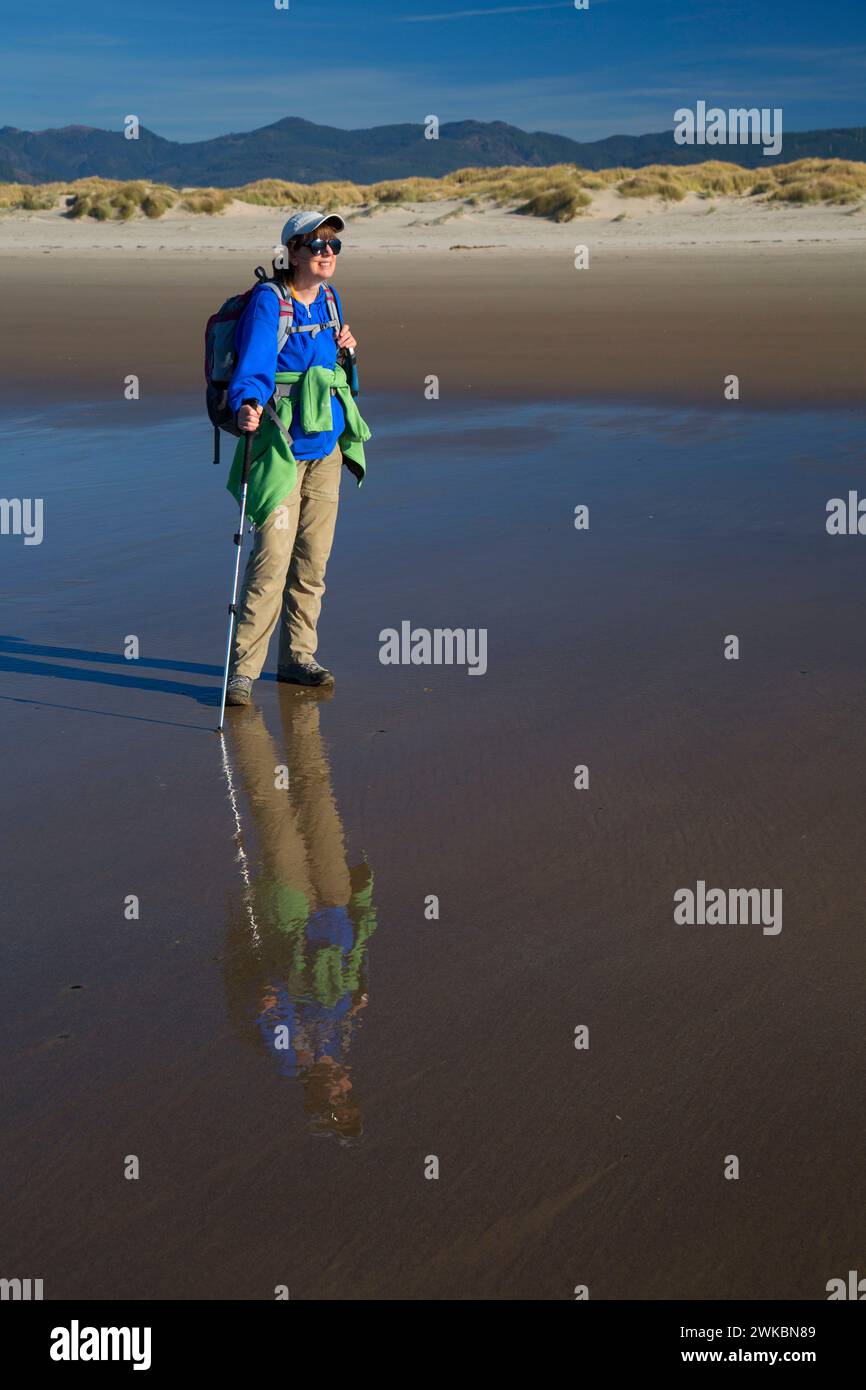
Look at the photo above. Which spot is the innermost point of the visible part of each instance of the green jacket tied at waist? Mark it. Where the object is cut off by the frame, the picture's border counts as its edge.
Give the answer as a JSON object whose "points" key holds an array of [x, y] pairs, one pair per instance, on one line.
{"points": [[273, 469]]}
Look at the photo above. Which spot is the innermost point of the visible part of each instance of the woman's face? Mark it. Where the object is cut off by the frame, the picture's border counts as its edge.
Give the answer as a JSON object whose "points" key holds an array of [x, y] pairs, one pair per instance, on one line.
{"points": [[319, 264]]}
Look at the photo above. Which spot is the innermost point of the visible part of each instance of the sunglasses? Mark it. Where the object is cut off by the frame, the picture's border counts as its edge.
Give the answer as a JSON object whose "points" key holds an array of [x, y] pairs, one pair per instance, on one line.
{"points": [[320, 247]]}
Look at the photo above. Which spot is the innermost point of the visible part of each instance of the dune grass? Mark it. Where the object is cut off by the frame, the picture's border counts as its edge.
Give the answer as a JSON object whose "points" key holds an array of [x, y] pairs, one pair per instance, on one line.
{"points": [[819, 181], [653, 185], [561, 203], [207, 200], [559, 192]]}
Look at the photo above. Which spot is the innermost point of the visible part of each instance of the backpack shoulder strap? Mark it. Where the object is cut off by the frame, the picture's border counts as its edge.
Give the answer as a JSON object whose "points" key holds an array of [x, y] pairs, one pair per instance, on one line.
{"points": [[333, 307], [287, 313]]}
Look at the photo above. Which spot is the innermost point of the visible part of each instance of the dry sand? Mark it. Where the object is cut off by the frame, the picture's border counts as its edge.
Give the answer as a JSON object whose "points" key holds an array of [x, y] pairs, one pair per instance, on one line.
{"points": [[675, 298]]}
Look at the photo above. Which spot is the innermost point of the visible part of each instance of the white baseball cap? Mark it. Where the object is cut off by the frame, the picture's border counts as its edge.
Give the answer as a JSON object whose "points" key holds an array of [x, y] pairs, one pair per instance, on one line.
{"points": [[305, 221]]}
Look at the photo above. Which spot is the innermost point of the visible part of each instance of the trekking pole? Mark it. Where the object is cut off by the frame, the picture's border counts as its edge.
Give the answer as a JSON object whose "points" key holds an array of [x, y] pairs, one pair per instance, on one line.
{"points": [[352, 373], [239, 540]]}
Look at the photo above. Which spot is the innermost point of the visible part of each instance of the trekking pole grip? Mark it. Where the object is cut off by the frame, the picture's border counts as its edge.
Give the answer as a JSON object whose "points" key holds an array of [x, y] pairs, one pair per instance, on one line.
{"points": [[248, 445]]}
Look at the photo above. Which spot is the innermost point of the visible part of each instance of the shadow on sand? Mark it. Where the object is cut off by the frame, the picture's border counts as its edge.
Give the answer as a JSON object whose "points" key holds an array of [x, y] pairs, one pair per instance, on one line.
{"points": [[16, 657]]}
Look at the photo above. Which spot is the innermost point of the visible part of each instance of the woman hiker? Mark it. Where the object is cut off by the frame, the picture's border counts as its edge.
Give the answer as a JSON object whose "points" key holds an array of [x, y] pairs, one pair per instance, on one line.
{"points": [[311, 428]]}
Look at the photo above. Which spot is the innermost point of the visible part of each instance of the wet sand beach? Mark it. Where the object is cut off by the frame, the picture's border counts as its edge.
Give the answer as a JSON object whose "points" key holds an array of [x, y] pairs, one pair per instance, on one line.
{"points": [[449, 1037], [672, 303]]}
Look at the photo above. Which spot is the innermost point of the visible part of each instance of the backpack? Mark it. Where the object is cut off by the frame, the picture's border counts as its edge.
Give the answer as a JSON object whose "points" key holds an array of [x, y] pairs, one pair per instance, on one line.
{"points": [[220, 354]]}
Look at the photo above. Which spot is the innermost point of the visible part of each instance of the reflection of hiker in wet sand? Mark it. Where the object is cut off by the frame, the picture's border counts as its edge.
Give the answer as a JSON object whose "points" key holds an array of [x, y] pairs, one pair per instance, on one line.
{"points": [[295, 966]]}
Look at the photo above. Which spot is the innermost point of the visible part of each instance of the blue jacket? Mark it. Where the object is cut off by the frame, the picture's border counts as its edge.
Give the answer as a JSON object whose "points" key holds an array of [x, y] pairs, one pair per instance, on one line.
{"points": [[256, 345]]}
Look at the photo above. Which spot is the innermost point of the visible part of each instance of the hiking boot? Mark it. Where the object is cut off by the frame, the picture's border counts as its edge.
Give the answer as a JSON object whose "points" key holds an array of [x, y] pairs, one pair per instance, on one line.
{"points": [[304, 670], [239, 690]]}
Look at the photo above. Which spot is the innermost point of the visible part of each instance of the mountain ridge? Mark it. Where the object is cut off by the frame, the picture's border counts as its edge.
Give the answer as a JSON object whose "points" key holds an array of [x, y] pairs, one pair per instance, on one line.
{"points": [[303, 152]]}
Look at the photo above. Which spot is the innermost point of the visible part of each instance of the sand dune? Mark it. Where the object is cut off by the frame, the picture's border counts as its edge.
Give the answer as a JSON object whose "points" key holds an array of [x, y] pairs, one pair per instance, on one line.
{"points": [[611, 221]]}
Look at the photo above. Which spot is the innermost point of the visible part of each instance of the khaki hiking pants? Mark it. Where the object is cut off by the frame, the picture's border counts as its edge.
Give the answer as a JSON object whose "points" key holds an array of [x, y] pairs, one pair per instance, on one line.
{"points": [[299, 831], [285, 573]]}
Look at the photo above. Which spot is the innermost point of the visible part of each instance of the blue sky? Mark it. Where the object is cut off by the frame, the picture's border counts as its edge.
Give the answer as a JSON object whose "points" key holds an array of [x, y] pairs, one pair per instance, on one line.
{"points": [[198, 68]]}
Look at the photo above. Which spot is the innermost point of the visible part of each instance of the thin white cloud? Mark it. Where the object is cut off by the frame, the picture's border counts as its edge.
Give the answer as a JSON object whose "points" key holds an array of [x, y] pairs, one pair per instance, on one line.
{"points": [[802, 53], [484, 14], [58, 42]]}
